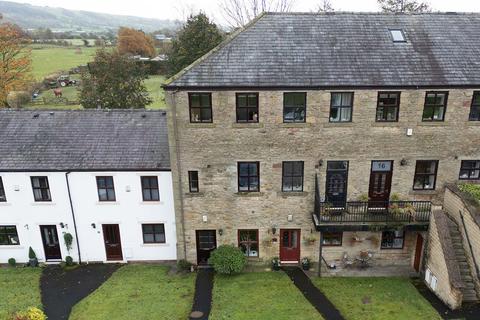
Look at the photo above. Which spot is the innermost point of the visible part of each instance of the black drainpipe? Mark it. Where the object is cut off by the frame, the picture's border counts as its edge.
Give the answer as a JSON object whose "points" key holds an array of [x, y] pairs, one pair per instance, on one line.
{"points": [[320, 253], [73, 216]]}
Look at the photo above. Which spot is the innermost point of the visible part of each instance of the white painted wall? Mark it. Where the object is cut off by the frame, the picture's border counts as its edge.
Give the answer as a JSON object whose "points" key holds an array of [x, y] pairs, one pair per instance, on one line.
{"points": [[27, 215], [128, 211]]}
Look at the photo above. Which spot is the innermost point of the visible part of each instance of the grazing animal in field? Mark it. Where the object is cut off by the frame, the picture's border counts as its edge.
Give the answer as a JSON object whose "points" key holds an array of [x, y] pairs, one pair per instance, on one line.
{"points": [[58, 93]]}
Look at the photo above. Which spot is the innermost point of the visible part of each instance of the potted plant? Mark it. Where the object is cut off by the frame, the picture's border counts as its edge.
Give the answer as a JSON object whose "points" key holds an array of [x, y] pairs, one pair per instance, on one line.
{"points": [[276, 263], [395, 197], [32, 258], [68, 238], [310, 239], [325, 211], [305, 264], [363, 197], [395, 209], [410, 210]]}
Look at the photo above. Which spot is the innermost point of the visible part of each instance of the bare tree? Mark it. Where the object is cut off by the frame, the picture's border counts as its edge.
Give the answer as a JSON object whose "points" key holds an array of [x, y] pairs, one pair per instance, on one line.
{"points": [[239, 12], [325, 6], [407, 6]]}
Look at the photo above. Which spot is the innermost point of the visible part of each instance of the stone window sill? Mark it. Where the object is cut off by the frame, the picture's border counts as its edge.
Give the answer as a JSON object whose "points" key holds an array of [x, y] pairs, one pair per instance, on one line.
{"points": [[294, 125], [249, 194], [387, 124], [423, 192], [473, 123], [242, 125], [201, 125], [284, 194], [339, 124], [103, 203], [194, 194], [152, 203], [155, 245], [432, 124], [43, 203]]}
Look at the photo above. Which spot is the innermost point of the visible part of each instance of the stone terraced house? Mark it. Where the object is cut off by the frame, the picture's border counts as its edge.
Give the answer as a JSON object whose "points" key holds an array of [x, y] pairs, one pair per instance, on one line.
{"points": [[333, 137]]}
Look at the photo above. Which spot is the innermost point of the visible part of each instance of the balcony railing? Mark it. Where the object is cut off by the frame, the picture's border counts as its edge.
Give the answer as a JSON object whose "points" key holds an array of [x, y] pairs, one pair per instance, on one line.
{"points": [[389, 212]]}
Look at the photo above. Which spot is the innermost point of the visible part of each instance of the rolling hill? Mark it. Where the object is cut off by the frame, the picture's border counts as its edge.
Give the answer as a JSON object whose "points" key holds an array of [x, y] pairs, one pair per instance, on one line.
{"points": [[32, 17]]}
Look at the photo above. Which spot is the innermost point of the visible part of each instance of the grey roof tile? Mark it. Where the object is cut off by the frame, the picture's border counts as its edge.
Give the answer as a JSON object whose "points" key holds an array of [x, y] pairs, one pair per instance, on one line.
{"points": [[344, 49], [83, 140]]}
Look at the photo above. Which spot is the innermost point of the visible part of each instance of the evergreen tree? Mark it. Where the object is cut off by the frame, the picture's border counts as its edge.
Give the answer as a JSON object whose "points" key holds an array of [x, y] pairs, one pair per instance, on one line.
{"points": [[197, 37]]}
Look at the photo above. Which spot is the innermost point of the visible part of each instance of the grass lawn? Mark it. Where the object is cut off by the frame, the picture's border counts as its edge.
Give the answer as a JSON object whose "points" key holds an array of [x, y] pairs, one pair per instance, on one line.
{"points": [[139, 292], [19, 290], [376, 298], [259, 295], [49, 59], [153, 84]]}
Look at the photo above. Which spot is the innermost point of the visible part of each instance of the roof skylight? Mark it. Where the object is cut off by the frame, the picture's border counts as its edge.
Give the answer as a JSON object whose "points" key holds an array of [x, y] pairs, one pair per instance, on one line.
{"points": [[397, 35]]}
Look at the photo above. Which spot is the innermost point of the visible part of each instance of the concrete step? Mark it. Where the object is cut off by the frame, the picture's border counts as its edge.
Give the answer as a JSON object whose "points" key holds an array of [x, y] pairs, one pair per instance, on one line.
{"points": [[466, 278], [469, 286], [465, 272], [470, 297]]}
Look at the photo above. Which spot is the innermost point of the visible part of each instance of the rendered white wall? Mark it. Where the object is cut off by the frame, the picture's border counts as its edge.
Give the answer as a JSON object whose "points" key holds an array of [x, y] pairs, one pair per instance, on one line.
{"points": [[128, 211], [22, 211]]}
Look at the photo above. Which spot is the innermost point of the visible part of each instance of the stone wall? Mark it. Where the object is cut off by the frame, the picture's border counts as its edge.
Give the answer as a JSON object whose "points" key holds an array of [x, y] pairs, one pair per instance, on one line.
{"points": [[214, 150], [442, 263], [457, 207], [354, 242]]}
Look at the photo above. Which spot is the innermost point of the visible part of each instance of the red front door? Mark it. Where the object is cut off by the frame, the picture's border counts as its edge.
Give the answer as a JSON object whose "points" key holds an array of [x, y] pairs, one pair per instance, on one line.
{"points": [[290, 245], [418, 253], [113, 245]]}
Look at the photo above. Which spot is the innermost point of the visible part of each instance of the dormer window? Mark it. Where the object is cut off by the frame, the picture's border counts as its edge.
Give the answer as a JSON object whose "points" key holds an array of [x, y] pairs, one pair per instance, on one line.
{"points": [[397, 35]]}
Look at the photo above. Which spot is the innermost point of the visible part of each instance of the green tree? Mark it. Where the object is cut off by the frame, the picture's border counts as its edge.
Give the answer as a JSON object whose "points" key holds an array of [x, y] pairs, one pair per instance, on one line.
{"points": [[406, 6], [114, 81], [197, 37]]}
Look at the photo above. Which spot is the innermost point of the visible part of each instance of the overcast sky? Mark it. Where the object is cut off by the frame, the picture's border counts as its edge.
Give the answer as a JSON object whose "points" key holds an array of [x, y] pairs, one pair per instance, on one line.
{"points": [[176, 9]]}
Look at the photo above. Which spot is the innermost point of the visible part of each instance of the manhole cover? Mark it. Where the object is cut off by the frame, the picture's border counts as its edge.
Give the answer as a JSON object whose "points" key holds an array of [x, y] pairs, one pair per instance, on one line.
{"points": [[196, 314]]}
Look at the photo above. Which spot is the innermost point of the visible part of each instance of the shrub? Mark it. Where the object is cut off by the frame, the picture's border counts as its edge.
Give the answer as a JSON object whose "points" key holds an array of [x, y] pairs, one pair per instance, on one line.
{"points": [[31, 254], [31, 314], [471, 189], [18, 99], [184, 265], [228, 259], [68, 238], [12, 262], [68, 261]]}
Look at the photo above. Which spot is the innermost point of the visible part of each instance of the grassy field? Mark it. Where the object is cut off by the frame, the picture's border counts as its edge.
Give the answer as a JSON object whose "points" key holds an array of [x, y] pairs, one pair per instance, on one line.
{"points": [[49, 59], [19, 290], [259, 295], [376, 298], [139, 292], [153, 85]]}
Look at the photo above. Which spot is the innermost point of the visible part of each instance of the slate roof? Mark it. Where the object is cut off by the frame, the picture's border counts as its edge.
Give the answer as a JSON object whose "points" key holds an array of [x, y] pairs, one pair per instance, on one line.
{"points": [[83, 140], [344, 50]]}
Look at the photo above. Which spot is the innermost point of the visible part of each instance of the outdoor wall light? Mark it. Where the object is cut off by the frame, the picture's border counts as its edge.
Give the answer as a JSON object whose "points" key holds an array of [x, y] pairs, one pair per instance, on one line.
{"points": [[127, 189], [403, 162], [62, 225], [93, 225], [16, 188], [26, 226], [274, 230], [290, 218], [320, 162], [220, 232], [204, 218]]}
